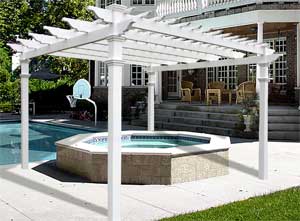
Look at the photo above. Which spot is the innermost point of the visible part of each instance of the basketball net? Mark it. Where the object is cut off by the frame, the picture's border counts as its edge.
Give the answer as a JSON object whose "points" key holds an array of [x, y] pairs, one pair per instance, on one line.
{"points": [[72, 100]]}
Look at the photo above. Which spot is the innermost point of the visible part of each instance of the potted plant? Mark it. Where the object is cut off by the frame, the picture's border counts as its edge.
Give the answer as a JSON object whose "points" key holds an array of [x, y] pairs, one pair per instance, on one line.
{"points": [[249, 111]]}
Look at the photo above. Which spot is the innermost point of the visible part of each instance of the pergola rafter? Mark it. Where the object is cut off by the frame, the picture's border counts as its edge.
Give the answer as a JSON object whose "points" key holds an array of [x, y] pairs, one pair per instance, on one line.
{"points": [[117, 37]]}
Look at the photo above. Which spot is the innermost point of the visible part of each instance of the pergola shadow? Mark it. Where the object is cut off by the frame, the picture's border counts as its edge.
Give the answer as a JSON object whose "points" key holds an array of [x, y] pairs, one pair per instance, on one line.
{"points": [[42, 188]]}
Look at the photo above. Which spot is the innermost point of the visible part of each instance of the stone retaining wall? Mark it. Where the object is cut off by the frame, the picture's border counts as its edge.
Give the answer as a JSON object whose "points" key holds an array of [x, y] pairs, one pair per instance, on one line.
{"points": [[162, 169]]}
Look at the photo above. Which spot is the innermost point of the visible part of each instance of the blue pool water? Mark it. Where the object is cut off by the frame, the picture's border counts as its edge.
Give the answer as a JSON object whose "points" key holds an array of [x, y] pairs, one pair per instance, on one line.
{"points": [[41, 141], [156, 141]]}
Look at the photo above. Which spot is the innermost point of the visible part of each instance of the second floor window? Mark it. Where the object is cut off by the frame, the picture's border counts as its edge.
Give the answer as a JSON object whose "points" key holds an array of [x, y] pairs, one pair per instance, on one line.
{"points": [[104, 3], [143, 2]]}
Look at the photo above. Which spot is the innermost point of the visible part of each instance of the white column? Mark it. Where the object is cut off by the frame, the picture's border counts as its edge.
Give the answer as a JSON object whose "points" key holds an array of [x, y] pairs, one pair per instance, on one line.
{"points": [[151, 104], [263, 121], [298, 64], [115, 72], [25, 113], [260, 39], [298, 55], [159, 87]]}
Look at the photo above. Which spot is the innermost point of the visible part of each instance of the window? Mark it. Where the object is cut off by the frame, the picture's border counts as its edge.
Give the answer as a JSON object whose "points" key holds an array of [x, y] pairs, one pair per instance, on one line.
{"points": [[227, 74], [139, 77], [277, 69], [104, 3], [102, 71], [252, 72], [143, 2]]}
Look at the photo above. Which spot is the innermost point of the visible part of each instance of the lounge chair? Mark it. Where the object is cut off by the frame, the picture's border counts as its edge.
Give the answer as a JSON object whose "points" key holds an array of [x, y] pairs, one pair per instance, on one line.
{"points": [[188, 93], [245, 90]]}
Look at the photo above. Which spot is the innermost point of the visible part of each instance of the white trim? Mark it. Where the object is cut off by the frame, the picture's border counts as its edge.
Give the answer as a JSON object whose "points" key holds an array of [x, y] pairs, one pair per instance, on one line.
{"points": [[248, 18]]}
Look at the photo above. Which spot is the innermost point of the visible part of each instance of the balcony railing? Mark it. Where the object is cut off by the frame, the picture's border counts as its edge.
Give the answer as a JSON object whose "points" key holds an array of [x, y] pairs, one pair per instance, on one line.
{"points": [[180, 8]]}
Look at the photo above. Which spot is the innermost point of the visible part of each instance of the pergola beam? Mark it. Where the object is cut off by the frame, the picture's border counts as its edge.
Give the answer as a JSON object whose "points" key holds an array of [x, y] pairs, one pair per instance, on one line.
{"points": [[79, 40], [207, 64]]}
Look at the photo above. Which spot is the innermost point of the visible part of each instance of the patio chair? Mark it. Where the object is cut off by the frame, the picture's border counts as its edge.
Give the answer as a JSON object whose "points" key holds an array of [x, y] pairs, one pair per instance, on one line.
{"points": [[215, 90], [188, 93], [245, 90]]}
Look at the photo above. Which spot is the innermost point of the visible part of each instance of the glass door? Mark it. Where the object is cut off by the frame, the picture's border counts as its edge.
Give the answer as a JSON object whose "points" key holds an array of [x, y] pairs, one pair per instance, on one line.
{"points": [[173, 84]]}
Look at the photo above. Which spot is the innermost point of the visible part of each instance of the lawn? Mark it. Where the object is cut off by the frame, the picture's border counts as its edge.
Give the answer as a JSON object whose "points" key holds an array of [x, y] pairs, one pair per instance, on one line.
{"points": [[279, 206]]}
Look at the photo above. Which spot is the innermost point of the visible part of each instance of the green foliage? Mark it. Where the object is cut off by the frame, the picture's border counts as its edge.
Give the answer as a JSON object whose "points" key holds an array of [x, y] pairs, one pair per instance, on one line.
{"points": [[6, 107], [19, 17], [9, 89], [43, 85], [4, 64], [279, 206]]}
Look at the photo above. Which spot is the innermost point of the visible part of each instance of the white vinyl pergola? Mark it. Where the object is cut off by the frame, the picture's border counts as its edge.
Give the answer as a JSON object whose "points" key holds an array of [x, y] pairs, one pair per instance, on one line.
{"points": [[117, 37]]}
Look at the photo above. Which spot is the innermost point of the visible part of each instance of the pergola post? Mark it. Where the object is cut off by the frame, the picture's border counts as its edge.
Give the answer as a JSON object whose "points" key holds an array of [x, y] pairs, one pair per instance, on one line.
{"points": [[298, 64], [263, 121], [151, 100], [260, 39], [298, 55], [159, 87], [24, 113], [115, 73]]}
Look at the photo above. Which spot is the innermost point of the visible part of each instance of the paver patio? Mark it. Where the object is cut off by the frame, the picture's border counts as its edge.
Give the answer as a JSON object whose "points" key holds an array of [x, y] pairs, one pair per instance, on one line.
{"points": [[32, 195]]}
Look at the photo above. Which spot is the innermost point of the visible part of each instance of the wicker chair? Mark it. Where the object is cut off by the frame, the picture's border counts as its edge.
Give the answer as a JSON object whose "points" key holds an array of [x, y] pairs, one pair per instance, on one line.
{"points": [[218, 85], [245, 90], [188, 93]]}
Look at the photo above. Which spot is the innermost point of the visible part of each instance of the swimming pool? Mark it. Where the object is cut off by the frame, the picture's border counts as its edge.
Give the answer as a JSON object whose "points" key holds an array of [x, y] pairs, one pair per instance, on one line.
{"points": [[41, 141]]}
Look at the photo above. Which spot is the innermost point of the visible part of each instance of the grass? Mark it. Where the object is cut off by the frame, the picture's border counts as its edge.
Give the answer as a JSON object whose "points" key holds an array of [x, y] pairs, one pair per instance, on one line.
{"points": [[278, 206]]}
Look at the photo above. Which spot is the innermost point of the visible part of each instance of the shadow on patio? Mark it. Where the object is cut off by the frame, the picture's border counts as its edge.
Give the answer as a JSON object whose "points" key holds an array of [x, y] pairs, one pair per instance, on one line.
{"points": [[42, 188]]}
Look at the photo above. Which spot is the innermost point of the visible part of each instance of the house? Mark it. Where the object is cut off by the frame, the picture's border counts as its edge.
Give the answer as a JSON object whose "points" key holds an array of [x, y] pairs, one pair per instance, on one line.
{"points": [[275, 23], [272, 22]]}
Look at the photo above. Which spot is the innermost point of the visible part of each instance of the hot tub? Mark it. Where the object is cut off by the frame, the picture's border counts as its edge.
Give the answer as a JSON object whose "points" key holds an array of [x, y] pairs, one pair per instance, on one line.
{"points": [[163, 157]]}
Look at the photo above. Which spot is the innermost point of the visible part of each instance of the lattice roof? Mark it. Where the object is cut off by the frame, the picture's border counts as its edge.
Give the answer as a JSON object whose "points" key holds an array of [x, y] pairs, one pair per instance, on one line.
{"points": [[147, 41]]}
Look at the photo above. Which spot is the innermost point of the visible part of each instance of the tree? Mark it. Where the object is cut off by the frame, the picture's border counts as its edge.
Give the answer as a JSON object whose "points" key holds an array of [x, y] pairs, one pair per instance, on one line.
{"points": [[9, 89], [20, 17]]}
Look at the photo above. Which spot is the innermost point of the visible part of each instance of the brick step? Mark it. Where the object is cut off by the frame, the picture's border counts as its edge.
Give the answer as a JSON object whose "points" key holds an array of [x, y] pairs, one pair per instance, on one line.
{"points": [[198, 121]]}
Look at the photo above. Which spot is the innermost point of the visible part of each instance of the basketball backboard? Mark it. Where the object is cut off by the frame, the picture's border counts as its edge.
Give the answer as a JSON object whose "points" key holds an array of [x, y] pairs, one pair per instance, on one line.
{"points": [[82, 89]]}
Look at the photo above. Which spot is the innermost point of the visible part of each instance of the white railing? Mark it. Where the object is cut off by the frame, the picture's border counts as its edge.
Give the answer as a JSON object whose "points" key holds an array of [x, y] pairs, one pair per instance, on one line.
{"points": [[178, 8]]}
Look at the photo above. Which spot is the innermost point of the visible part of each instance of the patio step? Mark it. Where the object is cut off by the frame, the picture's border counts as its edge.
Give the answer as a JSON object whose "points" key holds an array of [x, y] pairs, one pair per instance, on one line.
{"points": [[284, 122], [197, 114], [198, 121], [194, 128], [287, 135]]}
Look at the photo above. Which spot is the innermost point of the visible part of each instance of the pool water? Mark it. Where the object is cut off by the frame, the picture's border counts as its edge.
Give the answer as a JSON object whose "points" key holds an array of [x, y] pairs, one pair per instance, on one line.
{"points": [[156, 142], [41, 141]]}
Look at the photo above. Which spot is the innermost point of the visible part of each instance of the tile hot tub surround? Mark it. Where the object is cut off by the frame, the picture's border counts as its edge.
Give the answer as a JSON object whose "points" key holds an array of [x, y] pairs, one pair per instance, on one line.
{"points": [[79, 155]]}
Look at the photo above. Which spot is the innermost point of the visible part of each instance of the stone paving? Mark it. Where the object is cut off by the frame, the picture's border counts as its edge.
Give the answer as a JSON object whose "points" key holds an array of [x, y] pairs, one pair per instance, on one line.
{"points": [[43, 193]]}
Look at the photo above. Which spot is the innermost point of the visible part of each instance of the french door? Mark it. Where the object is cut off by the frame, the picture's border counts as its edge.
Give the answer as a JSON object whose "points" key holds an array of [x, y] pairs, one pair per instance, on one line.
{"points": [[173, 84]]}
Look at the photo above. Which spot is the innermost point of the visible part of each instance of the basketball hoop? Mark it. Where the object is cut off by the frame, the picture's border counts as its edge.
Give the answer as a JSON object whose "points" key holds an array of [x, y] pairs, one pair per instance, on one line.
{"points": [[82, 91]]}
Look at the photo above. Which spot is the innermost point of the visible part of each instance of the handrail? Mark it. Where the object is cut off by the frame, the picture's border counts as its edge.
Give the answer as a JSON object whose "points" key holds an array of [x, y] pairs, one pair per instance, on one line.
{"points": [[180, 8]]}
